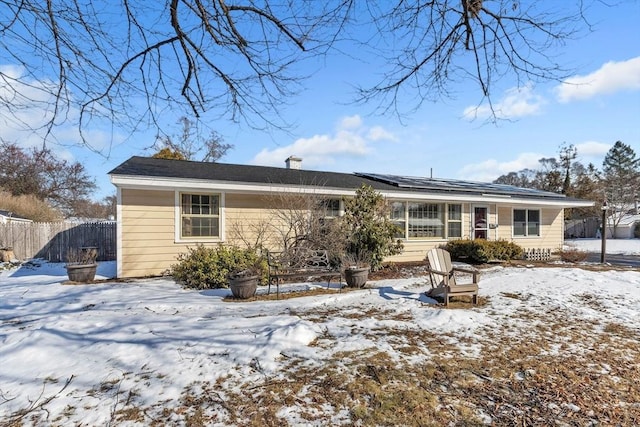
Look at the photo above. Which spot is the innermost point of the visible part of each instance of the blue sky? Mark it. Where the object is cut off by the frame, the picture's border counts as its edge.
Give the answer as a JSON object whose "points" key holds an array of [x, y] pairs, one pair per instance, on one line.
{"points": [[601, 106]]}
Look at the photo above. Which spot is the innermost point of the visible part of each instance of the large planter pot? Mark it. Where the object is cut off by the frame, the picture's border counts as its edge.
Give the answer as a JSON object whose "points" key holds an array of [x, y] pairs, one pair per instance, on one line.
{"points": [[81, 272], [356, 277], [243, 287]]}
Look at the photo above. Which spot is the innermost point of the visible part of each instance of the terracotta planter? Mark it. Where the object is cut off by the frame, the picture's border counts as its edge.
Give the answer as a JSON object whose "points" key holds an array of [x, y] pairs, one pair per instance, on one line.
{"points": [[81, 272], [243, 287], [356, 277]]}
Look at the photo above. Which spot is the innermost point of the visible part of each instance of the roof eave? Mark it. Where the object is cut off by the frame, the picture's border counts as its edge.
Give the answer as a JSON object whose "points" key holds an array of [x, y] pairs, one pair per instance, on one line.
{"points": [[164, 183]]}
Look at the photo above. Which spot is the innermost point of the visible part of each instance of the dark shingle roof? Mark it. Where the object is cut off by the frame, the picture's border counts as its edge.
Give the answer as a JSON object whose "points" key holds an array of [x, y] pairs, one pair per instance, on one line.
{"points": [[146, 166], [150, 167]]}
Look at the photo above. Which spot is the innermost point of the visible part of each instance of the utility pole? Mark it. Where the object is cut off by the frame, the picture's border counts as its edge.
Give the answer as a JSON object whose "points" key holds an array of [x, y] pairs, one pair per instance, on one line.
{"points": [[603, 250]]}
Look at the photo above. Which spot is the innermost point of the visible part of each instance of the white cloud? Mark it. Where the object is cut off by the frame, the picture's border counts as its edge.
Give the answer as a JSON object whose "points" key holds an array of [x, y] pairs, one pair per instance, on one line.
{"points": [[378, 133], [610, 78], [351, 122], [593, 148], [517, 102], [26, 109], [592, 152], [351, 139], [491, 169]]}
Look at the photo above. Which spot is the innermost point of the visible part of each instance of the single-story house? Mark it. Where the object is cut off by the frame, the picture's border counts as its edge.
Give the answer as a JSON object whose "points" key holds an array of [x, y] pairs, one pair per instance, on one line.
{"points": [[166, 206], [8, 216], [625, 228]]}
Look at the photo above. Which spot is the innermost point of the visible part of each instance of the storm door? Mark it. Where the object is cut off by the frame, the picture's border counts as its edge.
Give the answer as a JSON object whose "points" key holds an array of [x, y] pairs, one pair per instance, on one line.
{"points": [[480, 222]]}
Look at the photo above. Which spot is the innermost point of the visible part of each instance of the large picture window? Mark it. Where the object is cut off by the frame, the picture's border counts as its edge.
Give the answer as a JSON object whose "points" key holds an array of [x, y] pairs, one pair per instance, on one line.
{"points": [[200, 215], [526, 222], [418, 220], [425, 220]]}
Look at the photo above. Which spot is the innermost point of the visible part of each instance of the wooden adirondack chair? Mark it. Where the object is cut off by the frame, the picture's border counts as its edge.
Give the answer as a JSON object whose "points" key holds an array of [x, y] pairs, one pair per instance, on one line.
{"points": [[443, 280]]}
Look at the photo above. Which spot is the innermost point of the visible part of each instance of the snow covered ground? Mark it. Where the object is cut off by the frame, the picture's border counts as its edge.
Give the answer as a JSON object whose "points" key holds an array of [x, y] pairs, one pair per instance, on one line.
{"points": [[614, 246], [86, 354]]}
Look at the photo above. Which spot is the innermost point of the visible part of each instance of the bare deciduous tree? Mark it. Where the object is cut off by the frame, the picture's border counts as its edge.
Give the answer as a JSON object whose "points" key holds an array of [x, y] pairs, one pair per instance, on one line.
{"points": [[621, 181], [39, 173], [129, 63], [435, 44], [191, 145]]}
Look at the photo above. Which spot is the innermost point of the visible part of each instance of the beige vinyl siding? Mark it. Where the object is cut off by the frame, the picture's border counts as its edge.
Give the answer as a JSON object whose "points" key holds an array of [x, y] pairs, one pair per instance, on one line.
{"points": [[551, 231], [149, 246], [148, 228], [147, 224], [250, 215]]}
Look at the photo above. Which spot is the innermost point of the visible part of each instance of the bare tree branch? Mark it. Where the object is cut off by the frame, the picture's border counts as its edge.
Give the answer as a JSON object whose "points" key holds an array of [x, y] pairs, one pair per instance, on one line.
{"points": [[134, 63], [436, 44]]}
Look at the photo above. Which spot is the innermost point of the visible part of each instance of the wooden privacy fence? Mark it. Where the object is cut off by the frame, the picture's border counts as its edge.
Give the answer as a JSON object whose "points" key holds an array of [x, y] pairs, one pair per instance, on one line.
{"points": [[577, 228], [52, 240]]}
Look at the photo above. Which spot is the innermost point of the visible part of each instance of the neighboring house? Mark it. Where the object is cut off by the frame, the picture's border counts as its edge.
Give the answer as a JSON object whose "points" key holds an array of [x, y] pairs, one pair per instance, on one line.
{"points": [[625, 228], [166, 206], [7, 217]]}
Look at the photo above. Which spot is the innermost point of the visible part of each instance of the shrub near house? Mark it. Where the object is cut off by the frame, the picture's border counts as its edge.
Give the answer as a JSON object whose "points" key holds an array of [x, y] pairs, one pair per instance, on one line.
{"points": [[480, 251], [209, 267]]}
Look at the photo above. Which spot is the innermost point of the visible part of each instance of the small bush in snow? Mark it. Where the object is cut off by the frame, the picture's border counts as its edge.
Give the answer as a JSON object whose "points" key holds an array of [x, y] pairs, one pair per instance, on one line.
{"points": [[573, 255], [209, 267], [480, 251]]}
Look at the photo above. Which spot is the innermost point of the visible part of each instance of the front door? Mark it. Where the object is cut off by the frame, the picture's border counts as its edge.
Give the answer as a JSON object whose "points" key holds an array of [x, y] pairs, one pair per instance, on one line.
{"points": [[480, 222]]}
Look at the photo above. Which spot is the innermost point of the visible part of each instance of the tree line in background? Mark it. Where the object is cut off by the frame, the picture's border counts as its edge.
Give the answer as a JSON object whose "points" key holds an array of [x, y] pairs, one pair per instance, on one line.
{"points": [[35, 184], [618, 182]]}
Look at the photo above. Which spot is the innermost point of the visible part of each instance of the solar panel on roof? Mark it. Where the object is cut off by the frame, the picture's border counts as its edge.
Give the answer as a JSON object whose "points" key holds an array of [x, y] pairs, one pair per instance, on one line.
{"points": [[439, 184]]}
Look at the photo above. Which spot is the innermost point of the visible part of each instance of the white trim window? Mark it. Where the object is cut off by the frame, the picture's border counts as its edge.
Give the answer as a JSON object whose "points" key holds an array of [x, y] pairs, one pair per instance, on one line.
{"points": [[526, 222], [199, 216], [331, 208], [420, 220], [454, 221], [426, 220], [399, 218]]}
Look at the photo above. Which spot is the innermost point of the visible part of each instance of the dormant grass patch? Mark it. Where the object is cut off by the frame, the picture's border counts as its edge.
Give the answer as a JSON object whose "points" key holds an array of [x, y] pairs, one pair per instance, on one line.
{"points": [[543, 370]]}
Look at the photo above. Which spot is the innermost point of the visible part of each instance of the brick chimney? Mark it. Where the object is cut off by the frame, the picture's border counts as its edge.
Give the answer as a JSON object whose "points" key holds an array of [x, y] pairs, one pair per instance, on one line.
{"points": [[294, 162]]}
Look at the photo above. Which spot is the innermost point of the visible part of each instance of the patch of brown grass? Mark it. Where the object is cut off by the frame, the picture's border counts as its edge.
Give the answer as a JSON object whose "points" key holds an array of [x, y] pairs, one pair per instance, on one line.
{"points": [[290, 294], [548, 371]]}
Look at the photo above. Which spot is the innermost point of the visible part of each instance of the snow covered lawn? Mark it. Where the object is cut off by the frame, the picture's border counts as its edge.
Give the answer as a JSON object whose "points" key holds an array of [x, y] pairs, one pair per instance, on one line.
{"points": [[614, 246], [549, 345]]}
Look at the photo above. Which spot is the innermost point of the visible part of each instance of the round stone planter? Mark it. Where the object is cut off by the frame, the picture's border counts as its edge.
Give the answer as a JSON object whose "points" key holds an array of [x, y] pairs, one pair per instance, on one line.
{"points": [[81, 272], [243, 287], [356, 277]]}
